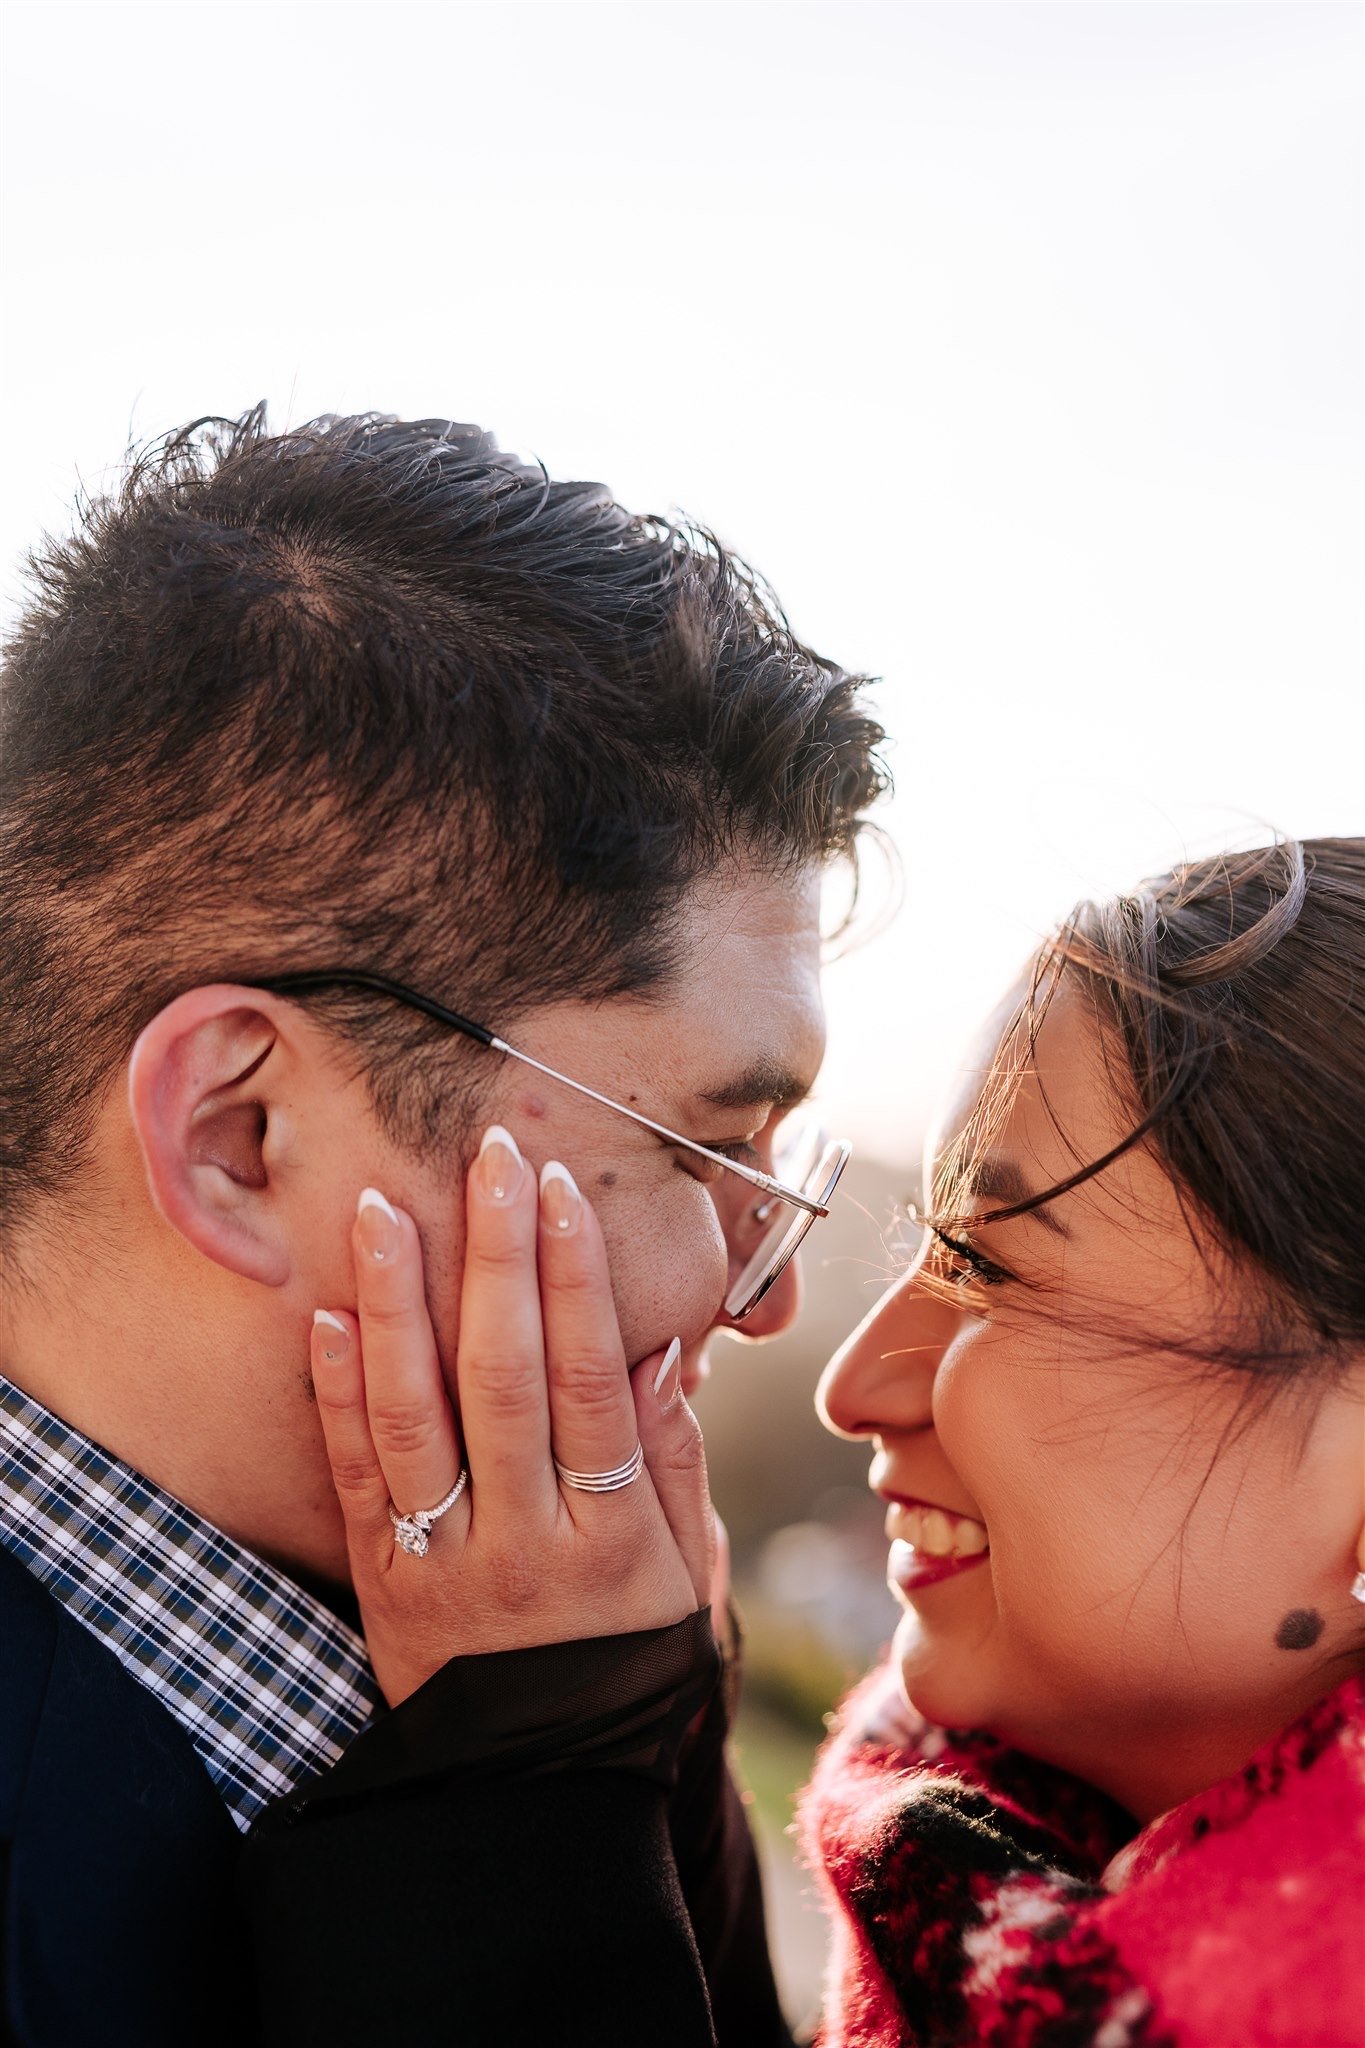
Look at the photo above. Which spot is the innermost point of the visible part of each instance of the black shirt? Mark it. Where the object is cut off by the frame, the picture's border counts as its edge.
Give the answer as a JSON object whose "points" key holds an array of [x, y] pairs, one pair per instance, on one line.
{"points": [[541, 1846]]}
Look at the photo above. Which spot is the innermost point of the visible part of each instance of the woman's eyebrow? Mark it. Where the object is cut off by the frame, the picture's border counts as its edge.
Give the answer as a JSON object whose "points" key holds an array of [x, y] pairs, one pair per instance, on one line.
{"points": [[1000, 1180]]}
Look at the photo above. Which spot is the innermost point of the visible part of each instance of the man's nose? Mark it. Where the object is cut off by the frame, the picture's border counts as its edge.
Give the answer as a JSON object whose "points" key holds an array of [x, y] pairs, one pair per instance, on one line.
{"points": [[882, 1378]]}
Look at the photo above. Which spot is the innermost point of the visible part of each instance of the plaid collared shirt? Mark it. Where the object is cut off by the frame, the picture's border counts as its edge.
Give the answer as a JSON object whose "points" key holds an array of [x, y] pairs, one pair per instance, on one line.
{"points": [[269, 1685]]}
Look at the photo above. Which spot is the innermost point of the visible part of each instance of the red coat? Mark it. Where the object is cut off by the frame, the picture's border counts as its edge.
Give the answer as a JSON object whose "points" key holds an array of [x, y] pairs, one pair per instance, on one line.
{"points": [[980, 1897]]}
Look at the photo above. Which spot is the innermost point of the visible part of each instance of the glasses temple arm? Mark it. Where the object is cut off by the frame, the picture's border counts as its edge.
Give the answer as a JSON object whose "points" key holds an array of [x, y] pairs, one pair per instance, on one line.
{"points": [[304, 982], [752, 1174]]}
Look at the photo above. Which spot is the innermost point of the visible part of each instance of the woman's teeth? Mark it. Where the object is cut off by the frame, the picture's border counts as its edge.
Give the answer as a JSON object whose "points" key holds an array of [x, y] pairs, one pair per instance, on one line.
{"points": [[933, 1532]]}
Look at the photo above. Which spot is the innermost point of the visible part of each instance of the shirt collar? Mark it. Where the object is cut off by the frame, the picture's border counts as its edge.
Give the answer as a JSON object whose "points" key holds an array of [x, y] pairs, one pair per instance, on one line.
{"points": [[268, 1683]]}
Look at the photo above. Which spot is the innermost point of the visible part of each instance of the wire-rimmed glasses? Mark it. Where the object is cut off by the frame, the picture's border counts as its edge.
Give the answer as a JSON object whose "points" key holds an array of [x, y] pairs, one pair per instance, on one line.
{"points": [[813, 1162], [820, 1161]]}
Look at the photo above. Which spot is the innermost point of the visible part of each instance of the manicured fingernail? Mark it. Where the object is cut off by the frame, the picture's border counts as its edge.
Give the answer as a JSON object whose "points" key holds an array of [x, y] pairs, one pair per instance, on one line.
{"points": [[561, 1205], [378, 1225], [336, 1341], [501, 1165], [668, 1378]]}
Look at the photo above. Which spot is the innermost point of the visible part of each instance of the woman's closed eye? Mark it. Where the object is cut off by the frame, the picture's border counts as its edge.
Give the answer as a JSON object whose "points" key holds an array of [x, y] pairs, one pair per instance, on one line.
{"points": [[963, 1263]]}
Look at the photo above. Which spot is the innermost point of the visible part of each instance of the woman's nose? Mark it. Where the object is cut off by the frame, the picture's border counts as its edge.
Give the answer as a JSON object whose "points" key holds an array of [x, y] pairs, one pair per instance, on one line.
{"points": [[882, 1378]]}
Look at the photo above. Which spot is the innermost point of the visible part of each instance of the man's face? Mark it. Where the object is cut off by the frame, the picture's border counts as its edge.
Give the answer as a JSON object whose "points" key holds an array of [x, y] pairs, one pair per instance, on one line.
{"points": [[233, 1158], [719, 1055]]}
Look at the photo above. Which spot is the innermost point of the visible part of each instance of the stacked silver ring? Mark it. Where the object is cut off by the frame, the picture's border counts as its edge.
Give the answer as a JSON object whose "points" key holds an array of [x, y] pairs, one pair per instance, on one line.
{"points": [[605, 1482]]}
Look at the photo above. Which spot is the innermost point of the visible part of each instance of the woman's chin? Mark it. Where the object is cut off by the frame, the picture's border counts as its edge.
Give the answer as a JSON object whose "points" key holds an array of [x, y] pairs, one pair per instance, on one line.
{"points": [[943, 1681]]}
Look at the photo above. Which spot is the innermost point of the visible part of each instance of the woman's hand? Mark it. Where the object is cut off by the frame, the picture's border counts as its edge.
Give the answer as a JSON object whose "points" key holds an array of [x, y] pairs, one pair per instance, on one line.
{"points": [[520, 1558]]}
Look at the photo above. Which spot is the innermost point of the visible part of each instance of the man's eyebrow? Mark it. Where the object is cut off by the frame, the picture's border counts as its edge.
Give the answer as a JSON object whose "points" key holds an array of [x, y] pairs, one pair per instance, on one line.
{"points": [[1000, 1181], [764, 1081]]}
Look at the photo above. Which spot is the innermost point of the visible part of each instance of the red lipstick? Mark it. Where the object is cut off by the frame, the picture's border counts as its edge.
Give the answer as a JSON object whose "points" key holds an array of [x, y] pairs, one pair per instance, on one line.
{"points": [[929, 1543]]}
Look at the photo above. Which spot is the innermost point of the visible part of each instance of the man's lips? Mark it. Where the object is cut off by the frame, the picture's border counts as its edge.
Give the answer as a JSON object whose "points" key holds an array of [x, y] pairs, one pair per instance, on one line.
{"points": [[930, 1543]]}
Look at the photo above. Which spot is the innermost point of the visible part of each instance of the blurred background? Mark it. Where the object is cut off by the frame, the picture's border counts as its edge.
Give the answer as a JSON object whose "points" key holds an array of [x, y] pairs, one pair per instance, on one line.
{"points": [[1019, 345]]}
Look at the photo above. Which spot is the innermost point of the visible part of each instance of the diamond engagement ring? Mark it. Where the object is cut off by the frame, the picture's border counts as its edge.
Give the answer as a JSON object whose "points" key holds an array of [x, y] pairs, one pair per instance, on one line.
{"points": [[410, 1531], [605, 1482]]}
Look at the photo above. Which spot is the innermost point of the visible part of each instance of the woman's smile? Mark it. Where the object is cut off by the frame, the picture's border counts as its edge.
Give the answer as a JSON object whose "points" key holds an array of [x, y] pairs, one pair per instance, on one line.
{"points": [[929, 1543]]}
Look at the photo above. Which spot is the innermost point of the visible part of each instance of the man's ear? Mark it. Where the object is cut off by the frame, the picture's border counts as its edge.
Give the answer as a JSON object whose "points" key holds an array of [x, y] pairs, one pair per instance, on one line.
{"points": [[201, 1083]]}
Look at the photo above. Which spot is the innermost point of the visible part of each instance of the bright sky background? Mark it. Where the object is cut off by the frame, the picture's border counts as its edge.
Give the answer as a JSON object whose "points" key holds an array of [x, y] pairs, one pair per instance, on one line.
{"points": [[1020, 345]]}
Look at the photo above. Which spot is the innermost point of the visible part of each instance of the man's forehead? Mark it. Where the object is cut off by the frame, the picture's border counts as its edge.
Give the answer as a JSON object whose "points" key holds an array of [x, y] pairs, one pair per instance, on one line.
{"points": [[746, 1010], [738, 1044], [744, 909]]}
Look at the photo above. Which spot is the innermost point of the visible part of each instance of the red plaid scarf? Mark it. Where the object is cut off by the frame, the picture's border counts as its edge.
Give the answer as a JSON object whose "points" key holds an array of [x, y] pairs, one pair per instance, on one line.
{"points": [[981, 1897]]}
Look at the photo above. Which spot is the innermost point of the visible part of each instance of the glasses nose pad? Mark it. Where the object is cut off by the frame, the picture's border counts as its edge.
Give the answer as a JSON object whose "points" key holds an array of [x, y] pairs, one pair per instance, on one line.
{"points": [[793, 1162]]}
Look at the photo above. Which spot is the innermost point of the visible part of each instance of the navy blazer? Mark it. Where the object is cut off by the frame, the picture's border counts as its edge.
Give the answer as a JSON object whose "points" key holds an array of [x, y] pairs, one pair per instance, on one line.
{"points": [[118, 1858]]}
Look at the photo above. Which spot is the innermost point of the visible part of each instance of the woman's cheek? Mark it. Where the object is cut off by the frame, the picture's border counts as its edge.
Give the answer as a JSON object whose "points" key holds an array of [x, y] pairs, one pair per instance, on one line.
{"points": [[971, 1414], [1017, 1465]]}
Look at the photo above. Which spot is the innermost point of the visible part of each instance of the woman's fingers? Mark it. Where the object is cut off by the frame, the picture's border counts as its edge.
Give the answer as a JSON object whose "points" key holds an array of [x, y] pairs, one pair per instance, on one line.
{"points": [[504, 1408], [676, 1461], [410, 1419], [510, 1568], [339, 1383], [592, 1415]]}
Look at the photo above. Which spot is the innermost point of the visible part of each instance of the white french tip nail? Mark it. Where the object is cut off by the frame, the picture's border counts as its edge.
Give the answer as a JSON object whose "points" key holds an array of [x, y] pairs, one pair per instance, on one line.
{"points": [[552, 1170], [670, 1359], [370, 1198], [322, 1315], [496, 1135]]}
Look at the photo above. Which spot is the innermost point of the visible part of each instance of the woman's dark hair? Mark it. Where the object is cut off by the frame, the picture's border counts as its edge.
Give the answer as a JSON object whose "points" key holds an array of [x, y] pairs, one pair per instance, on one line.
{"points": [[1233, 991], [374, 693]]}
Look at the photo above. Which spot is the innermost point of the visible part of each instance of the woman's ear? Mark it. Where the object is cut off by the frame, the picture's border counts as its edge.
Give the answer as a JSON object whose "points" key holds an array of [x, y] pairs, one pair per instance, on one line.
{"points": [[202, 1091]]}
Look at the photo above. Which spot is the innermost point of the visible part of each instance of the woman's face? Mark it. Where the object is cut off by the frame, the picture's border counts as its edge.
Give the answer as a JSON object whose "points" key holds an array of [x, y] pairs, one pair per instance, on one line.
{"points": [[1116, 1560]]}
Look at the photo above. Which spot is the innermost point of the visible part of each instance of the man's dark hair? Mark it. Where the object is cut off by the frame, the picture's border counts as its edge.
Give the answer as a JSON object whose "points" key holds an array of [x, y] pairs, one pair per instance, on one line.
{"points": [[374, 693]]}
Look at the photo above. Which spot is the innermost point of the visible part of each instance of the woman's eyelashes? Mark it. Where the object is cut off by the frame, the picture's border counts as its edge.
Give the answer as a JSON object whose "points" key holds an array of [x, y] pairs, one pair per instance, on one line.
{"points": [[963, 1264]]}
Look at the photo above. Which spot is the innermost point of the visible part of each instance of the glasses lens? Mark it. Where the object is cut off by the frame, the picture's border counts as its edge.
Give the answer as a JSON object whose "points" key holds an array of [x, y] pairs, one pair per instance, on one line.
{"points": [[812, 1166]]}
